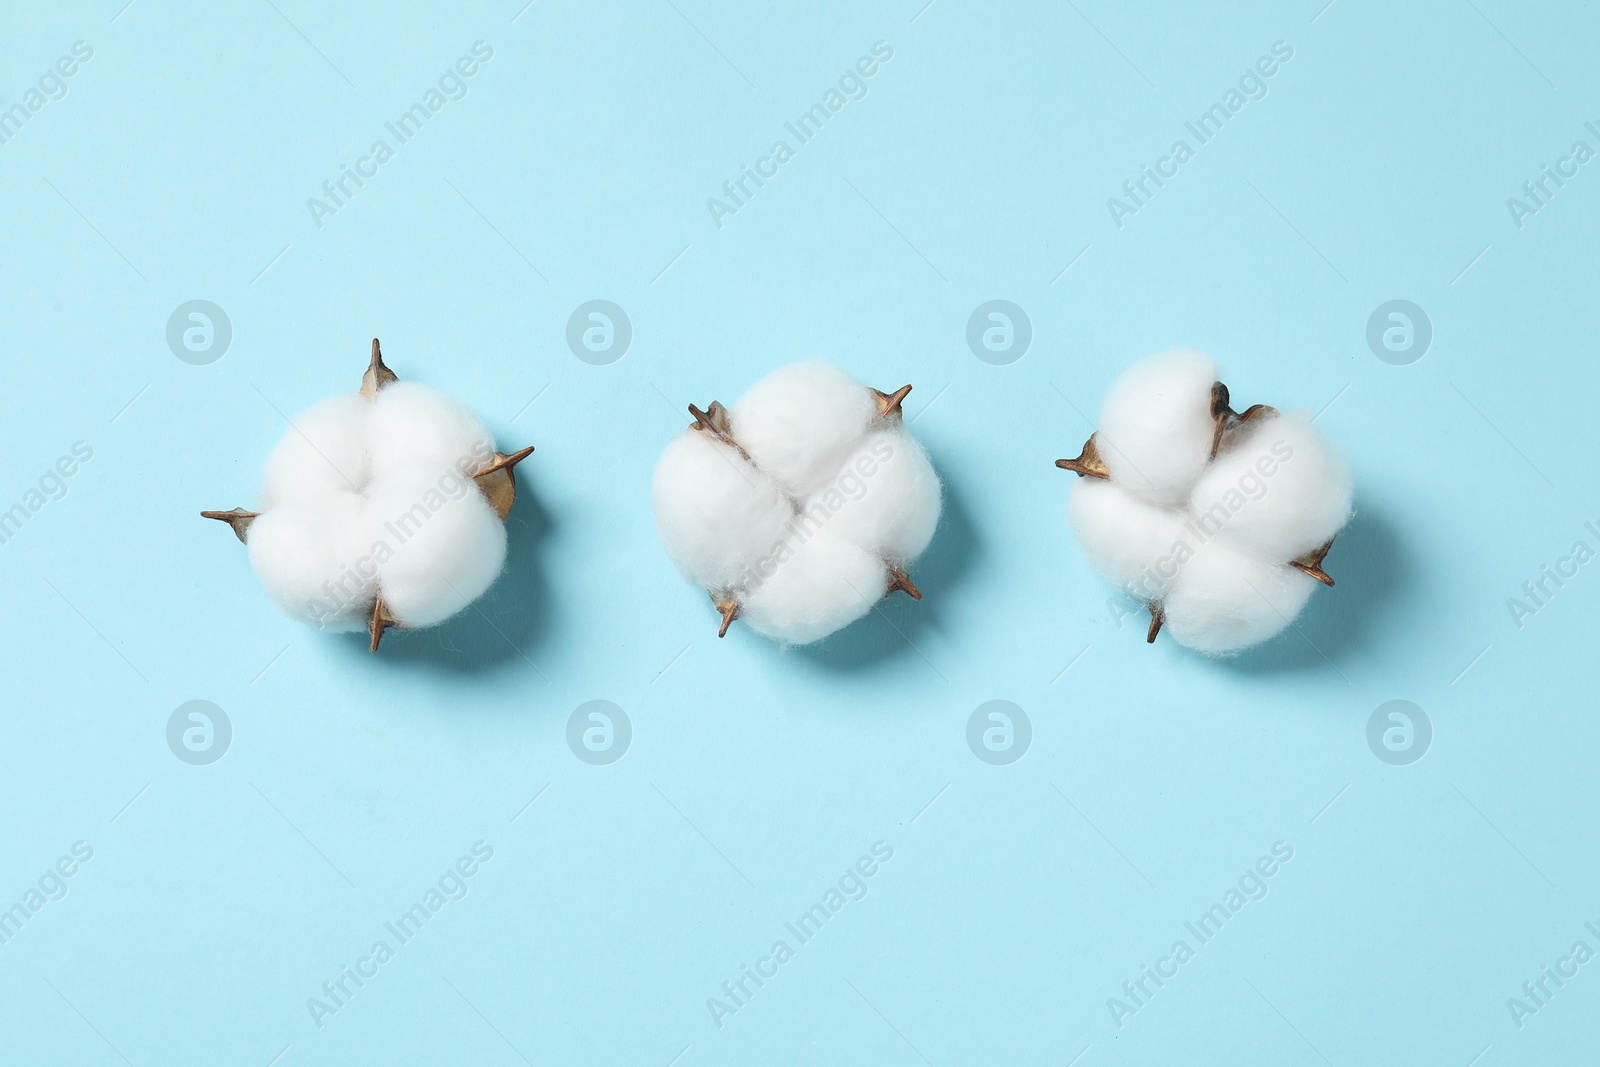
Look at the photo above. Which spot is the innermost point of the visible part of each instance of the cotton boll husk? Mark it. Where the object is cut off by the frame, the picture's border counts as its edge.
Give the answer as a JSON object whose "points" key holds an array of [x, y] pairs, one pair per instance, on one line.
{"points": [[1156, 427], [826, 584], [1224, 600], [887, 496], [323, 451], [438, 542], [1130, 541], [310, 556], [415, 424], [799, 422], [718, 516], [1277, 488]]}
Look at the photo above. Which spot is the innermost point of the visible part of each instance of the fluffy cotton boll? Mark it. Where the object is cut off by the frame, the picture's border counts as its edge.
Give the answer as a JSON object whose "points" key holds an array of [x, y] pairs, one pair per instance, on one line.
{"points": [[718, 516], [1278, 488], [827, 583], [438, 541], [323, 451], [1224, 600], [311, 559], [799, 422], [1156, 427], [1130, 541], [415, 425], [886, 495]]}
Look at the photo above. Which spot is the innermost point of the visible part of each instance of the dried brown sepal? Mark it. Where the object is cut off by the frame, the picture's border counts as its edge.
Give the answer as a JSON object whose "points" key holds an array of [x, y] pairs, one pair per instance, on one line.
{"points": [[1157, 617], [714, 421], [1228, 420], [378, 374], [899, 579], [381, 621], [1311, 563], [238, 518], [1088, 463], [889, 403], [729, 609], [497, 481]]}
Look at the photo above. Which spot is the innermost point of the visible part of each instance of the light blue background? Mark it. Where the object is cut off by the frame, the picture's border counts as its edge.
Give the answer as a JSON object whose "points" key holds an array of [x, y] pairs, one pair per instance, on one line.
{"points": [[978, 166]]}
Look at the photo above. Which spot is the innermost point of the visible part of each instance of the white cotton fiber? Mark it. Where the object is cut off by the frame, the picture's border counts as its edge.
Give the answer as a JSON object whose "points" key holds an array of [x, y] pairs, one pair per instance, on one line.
{"points": [[1209, 541], [801, 536], [1225, 600], [718, 516], [1278, 488], [1129, 540], [887, 495], [412, 424], [1156, 426], [311, 560], [373, 498], [799, 422], [448, 543], [827, 584], [324, 451]]}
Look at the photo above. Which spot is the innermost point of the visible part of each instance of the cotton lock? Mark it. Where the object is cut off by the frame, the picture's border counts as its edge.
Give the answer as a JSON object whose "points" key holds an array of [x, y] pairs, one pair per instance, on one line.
{"points": [[380, 508], [799, 507], [1219, 520]]}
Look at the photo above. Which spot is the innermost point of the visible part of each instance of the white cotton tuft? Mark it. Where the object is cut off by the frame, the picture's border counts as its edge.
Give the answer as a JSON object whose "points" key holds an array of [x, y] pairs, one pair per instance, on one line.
{"points": [[324, 451], [1156, 428], [802, 535], [718, 516], [1208, 541], [414, 425], [1131, 542], [825, 585], [372, 497], [445, 543], [799, 422], [1225, 600], [887, 495], [1278, 488], [311, 560]]}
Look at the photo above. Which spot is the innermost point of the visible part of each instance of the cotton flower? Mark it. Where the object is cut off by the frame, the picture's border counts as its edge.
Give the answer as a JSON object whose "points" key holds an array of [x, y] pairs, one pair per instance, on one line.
{"points": [[800, 506], [1219, 520], [380, 508]]}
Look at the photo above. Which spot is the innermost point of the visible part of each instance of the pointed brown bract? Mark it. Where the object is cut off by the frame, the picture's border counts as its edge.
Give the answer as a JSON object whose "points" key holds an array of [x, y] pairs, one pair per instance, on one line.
{"points": [[1157, 617], [1088, 463], [729, 609], [497, 481], [899, 579], [1229, 420], [381, 621], [1311, 563], [238, 518], [714, 421], [378, 374], [889, 403]]}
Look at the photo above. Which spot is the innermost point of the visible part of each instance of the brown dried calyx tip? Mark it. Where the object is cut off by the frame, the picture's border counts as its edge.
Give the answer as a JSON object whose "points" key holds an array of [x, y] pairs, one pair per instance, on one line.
{"points": [[899, 579], [238, 518], [1157, 617], [728, 608], [1227, 419], [714, 421], [1088, 463], [889, 403], [1311, 563], [496, 480]]}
